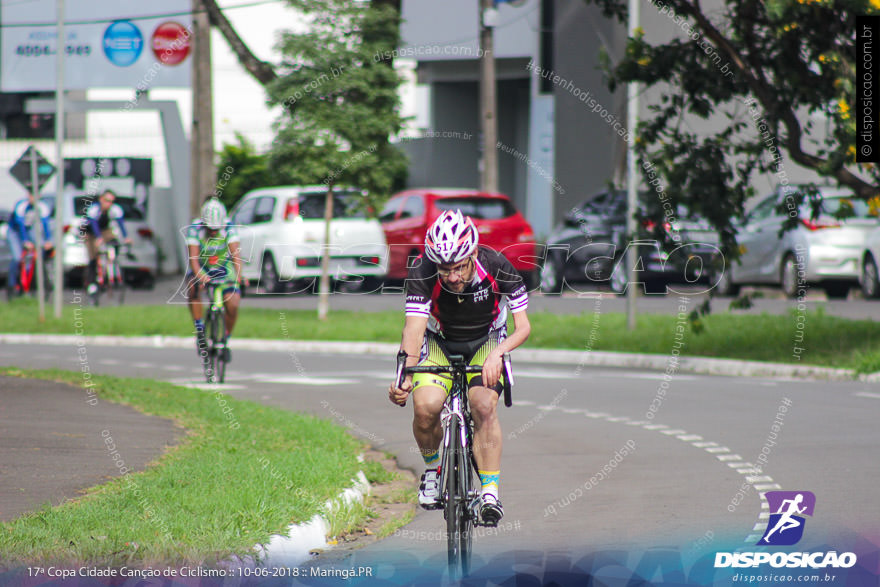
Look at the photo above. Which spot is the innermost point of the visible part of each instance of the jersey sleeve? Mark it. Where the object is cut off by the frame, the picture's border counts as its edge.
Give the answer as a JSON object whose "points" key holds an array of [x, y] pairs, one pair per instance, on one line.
{"points": [[192, 235], [419, 282], [511, 284], [232, 234]]}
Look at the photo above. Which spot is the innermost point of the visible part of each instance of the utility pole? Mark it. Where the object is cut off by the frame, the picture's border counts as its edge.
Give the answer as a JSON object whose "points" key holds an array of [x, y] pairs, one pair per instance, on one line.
{"points": [[488, 106], [58, 277], [632, 120], [202, 139]]}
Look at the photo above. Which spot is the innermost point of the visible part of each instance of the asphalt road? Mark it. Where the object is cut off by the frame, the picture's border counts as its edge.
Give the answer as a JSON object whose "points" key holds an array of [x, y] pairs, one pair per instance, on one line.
{"points": [[690, 454], [571, 302]]}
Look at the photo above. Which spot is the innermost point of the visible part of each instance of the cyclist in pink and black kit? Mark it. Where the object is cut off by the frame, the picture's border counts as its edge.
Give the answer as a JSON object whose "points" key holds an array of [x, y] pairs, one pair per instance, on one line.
{"points": [[457, 298]]}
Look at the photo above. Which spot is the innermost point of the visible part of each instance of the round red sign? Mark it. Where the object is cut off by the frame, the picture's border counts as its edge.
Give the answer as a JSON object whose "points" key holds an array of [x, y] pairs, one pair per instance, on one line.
{"points": [[171, 42]]}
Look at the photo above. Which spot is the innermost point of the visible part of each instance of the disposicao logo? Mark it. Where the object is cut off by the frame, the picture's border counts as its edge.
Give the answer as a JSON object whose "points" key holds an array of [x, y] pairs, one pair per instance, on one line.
{"points": [[786, 526], [123, 43]]}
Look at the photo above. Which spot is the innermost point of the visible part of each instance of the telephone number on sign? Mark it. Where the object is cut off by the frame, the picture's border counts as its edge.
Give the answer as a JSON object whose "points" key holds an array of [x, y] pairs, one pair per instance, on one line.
{"points": [[40, 50]]}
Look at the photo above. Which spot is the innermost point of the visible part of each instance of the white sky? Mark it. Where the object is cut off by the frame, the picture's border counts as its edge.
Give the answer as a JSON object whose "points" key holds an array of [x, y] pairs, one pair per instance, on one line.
{"points": [[239, 102]]}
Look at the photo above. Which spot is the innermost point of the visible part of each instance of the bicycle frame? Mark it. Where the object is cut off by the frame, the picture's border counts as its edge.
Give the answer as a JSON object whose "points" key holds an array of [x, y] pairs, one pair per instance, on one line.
{"points": [[215, 322]]}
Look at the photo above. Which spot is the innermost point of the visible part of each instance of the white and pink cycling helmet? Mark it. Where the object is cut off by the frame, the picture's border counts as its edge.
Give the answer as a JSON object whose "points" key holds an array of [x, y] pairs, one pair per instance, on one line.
{"points": [[452, 238]]}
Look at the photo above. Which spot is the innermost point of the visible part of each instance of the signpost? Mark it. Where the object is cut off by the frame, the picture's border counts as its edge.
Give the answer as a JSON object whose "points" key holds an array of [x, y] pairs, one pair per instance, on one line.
{"points": [[32, 170]]}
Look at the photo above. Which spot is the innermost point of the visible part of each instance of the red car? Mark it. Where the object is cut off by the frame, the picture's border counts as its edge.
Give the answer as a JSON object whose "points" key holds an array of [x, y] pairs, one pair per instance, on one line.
{"points": [[407, 216]]}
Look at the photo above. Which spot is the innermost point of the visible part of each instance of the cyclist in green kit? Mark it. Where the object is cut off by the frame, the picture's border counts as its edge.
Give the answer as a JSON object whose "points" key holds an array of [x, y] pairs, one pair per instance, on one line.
{"points": [[214, 257]]}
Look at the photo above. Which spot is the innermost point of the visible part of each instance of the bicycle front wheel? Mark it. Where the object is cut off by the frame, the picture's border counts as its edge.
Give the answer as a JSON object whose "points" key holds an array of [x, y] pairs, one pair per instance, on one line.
{"points": [[466, 485], [457, 530]]}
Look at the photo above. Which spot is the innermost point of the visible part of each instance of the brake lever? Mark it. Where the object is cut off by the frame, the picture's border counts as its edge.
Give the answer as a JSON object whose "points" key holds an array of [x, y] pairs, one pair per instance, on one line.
{"points": [[401, 366]]}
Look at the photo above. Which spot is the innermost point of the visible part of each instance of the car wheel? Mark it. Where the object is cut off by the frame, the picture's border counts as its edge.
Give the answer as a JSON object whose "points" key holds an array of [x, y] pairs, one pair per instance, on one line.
{"points": [[551, 275], [870, 279], [269, 275], [724, 285], [836, 290], [789, 277], [618, 279]]}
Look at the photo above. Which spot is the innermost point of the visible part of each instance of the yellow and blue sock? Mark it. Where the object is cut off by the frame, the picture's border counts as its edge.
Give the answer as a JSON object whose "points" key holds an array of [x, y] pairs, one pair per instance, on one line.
{"points": [[489, 482], [431, 458]]}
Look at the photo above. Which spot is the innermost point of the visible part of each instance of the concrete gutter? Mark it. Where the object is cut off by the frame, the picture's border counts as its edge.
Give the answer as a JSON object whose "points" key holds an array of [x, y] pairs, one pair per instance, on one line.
{"points": [[702, 365]]}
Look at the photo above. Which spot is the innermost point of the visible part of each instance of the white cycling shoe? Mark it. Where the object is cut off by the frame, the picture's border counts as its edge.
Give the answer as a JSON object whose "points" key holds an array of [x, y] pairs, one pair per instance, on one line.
{"points": [[429, 490], [491, 511]]}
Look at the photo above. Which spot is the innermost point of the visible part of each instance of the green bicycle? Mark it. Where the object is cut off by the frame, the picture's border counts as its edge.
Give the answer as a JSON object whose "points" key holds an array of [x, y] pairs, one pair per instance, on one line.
{"points": [[215, 355]]}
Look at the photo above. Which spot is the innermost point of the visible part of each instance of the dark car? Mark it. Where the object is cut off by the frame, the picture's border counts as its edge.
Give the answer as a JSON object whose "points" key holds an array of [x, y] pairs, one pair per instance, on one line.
{"points": [[590, 243]]}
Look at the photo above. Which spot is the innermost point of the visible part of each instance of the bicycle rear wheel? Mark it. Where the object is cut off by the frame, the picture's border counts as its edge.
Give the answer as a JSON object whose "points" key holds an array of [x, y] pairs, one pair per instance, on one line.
{"points": [[118, 283], [210, 351], [216, 332]]}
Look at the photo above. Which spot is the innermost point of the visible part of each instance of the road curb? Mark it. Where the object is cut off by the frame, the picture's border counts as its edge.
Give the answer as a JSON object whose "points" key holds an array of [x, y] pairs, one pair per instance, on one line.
{"points": [[295, 547], [667, 363]]}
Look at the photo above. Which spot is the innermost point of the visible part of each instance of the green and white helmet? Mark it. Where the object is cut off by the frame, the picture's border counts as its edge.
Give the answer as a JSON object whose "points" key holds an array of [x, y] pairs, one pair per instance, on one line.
{"points": [[214, 214]]}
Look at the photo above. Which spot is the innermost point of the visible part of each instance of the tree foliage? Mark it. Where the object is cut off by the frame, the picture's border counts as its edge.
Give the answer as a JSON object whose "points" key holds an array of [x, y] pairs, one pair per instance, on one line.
{"points": [[781, 71], [345, 97], [241, 169]]}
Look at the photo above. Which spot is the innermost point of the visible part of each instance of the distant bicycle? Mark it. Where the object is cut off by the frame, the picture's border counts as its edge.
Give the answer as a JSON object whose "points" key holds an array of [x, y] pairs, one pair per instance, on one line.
{"points": [[110, 280], [214, 351], [27, 273]]}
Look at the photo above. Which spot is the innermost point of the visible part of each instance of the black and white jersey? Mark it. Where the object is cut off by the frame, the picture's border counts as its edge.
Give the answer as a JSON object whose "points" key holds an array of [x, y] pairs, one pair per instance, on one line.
{"points": [[478, 309]]}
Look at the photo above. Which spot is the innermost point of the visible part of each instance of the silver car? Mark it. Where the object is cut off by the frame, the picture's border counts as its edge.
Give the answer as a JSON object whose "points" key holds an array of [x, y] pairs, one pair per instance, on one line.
{"points": [[822, 249], [869, 278], [140, 270]]}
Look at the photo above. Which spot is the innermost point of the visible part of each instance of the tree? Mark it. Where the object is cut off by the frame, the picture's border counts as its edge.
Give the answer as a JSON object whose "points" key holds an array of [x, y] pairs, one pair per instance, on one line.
{"points": [[242, 169], [345, 97], [768, 65]]}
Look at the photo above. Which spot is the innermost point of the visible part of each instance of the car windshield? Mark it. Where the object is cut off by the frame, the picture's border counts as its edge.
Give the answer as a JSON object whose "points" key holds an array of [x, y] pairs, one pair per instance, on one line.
{"points": [[81, 205], [479, 208], [129, 206], [841, 206], [345, 205]]}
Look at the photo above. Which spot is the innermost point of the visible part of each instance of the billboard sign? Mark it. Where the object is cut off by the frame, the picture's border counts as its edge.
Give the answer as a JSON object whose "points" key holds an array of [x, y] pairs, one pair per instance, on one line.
{"points": [[110, 44]]}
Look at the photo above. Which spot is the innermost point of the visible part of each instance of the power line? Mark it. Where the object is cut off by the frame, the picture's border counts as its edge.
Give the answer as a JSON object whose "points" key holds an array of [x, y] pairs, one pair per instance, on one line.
{"points": [[142, 17]]}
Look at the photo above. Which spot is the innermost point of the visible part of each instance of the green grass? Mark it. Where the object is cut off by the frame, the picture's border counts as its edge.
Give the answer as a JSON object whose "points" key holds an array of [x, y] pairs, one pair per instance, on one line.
{"points": [[219, 492], [828, 340]]}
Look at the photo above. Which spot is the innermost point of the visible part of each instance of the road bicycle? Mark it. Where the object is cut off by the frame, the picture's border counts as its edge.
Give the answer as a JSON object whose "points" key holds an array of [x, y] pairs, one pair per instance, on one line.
{"points": [[215, 353], [459, 489], [27, 273], [109, 277]]}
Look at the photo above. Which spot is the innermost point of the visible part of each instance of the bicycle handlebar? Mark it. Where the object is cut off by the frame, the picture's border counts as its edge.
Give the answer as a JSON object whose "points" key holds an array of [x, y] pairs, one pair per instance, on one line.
{"points": [[455, 365]]}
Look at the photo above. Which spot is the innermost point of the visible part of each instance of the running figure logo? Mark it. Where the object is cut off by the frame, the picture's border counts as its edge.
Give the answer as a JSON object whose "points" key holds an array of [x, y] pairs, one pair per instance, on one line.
{"points": [[786, 525]]}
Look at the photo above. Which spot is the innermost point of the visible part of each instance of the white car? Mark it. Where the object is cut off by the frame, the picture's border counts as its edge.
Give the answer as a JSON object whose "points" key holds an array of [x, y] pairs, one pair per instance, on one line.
{"points": [[140, 270], [822, 249], [282, 238], [870, 262]]}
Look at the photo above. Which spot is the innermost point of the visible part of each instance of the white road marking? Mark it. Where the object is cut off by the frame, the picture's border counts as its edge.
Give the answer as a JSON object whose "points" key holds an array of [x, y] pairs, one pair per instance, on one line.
{"points": [[143, 365], [638, 423], [704, 444], [717, 449], [178, 368], [523, 402], [298, 380], [543, 374], [766, 486], [655, 426], [589, 414], [618, 419], [108, 361], [760, 526], [213, 386], [729, 458], [689, 437], [867, 394], [759, 479], [673, 432]]}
